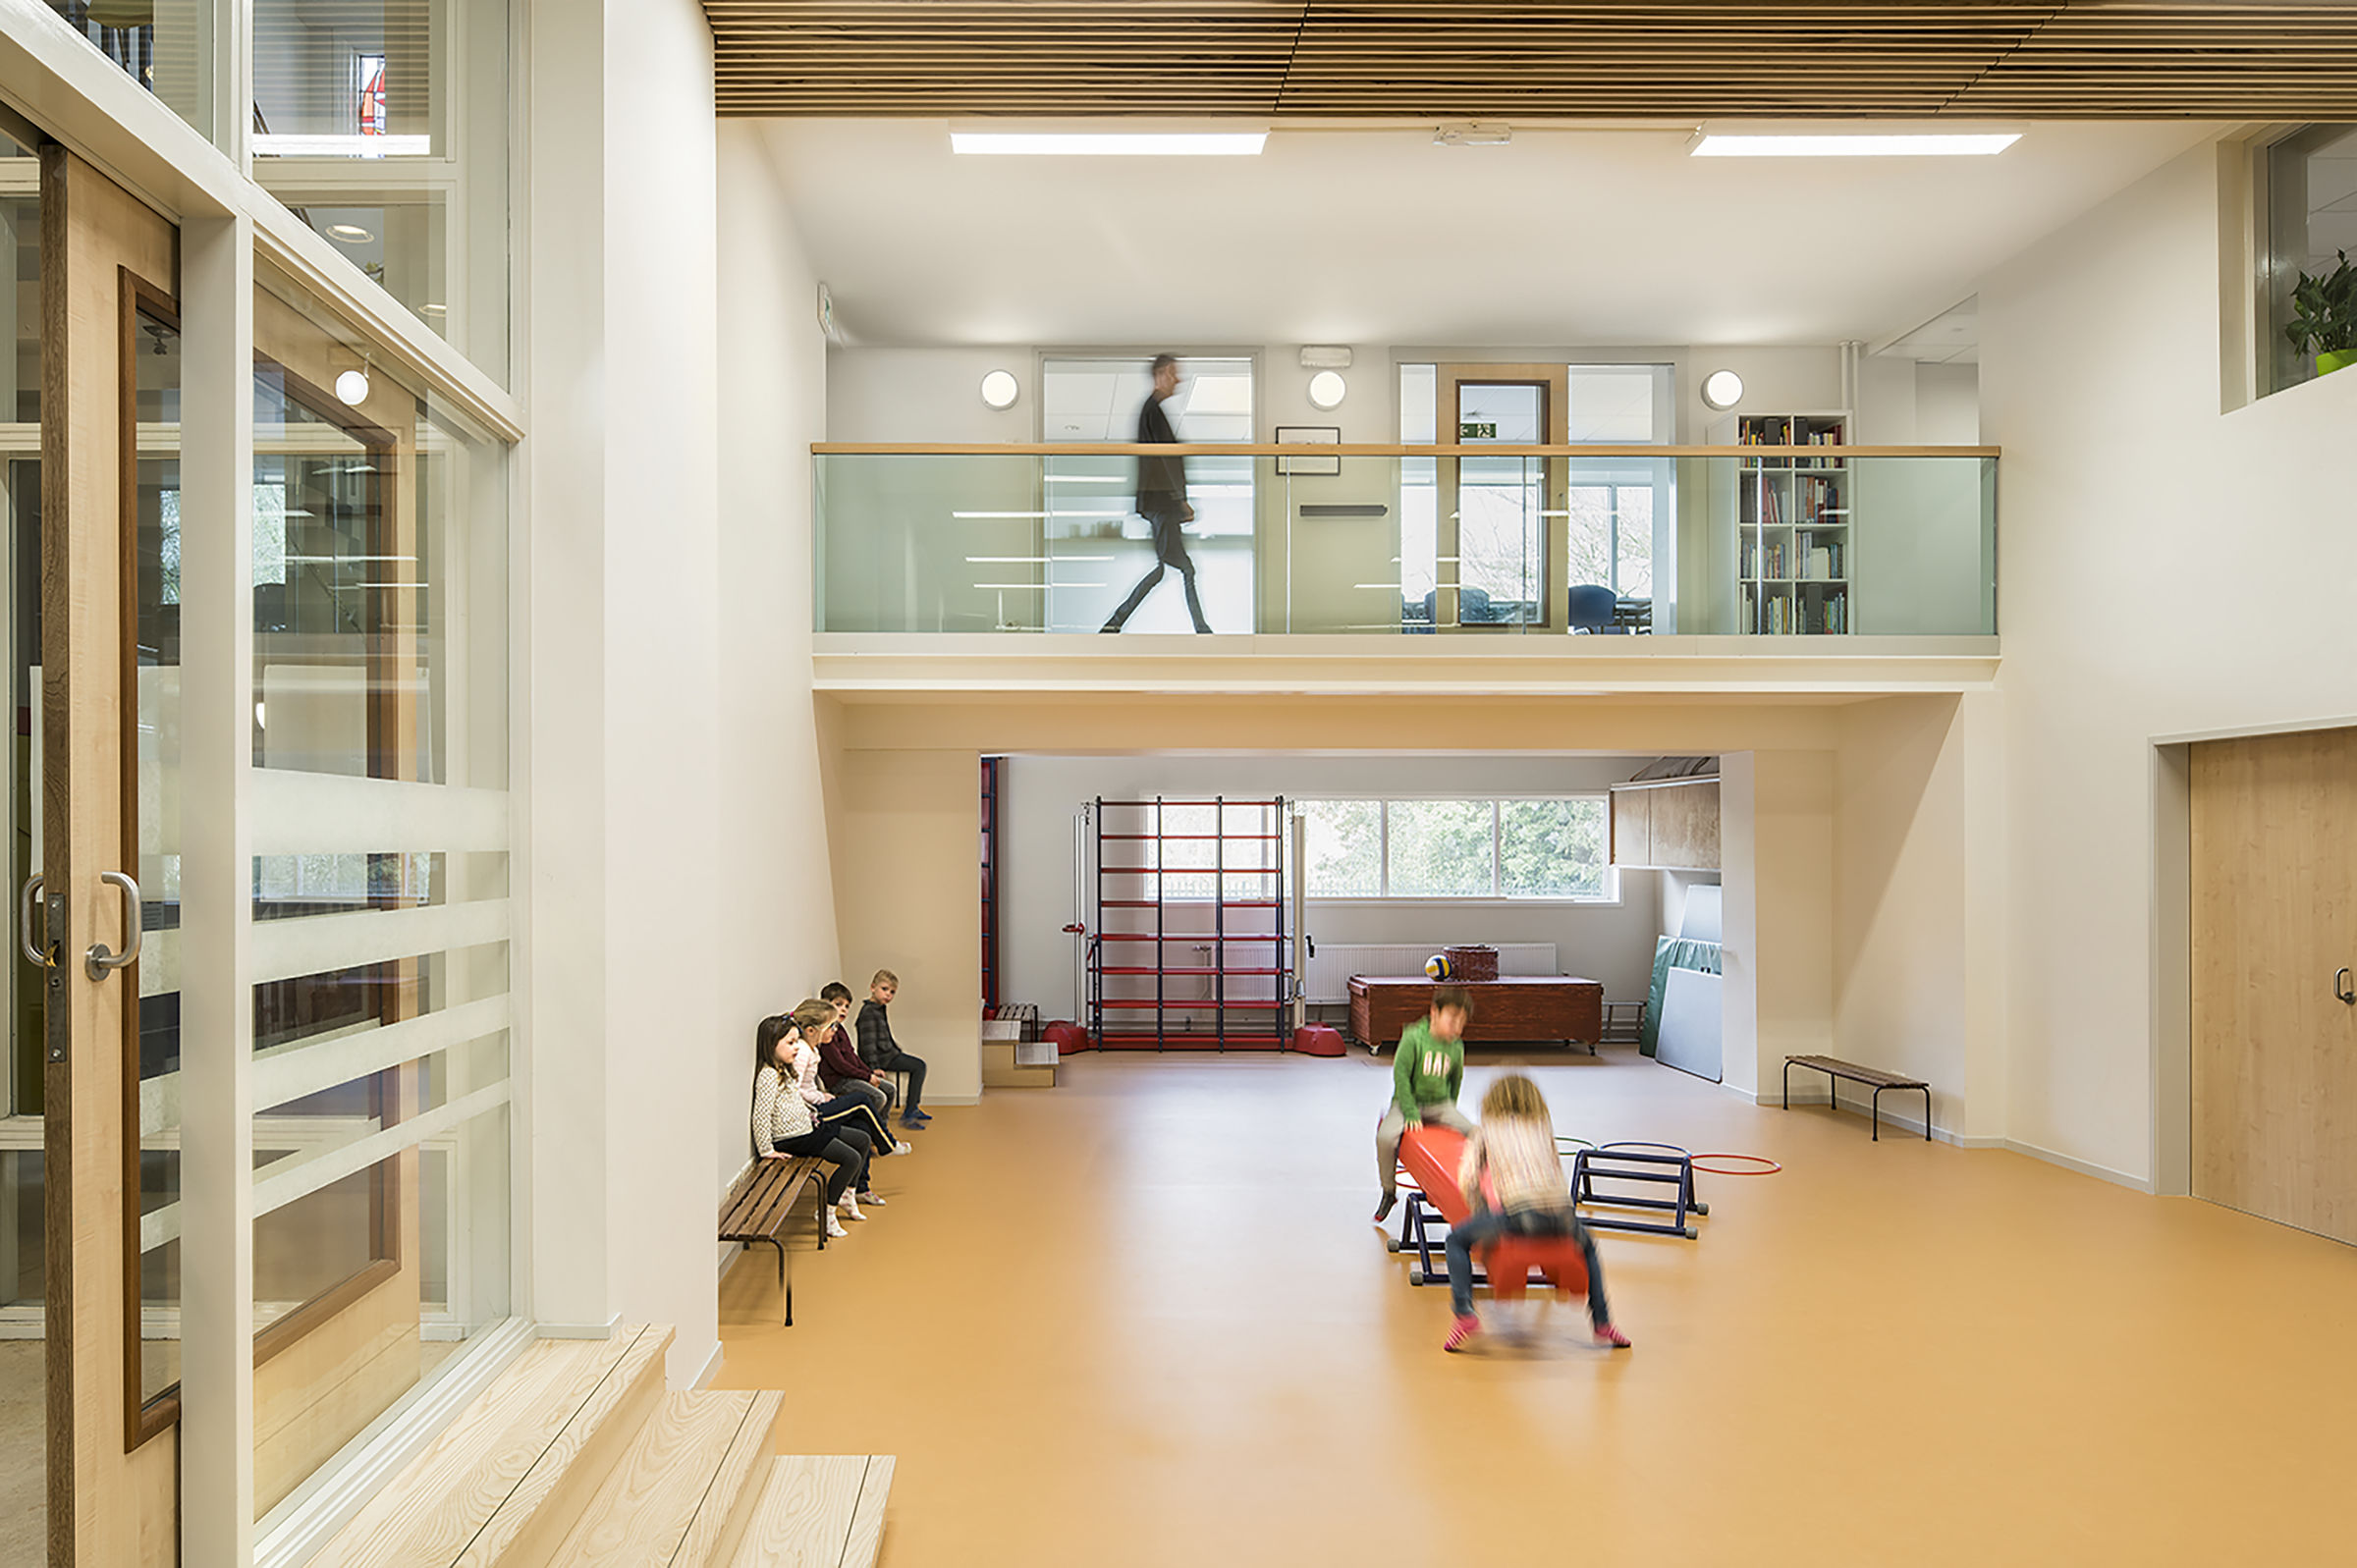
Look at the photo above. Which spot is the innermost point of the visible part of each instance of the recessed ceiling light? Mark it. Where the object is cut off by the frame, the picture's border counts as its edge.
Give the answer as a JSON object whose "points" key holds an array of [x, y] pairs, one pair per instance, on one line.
{"points": [[998, 389], [1853, 146], [350, 233], [1722, 389], [1112, 145]]}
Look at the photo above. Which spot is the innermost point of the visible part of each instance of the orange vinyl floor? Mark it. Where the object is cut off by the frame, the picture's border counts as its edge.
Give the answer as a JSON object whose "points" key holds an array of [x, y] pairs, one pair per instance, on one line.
{"points": [[1142, 1319]]}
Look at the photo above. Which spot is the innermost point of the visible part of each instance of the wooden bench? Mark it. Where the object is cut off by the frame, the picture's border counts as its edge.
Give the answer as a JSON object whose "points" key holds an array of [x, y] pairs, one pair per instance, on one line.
{"points": [[1833, 1068], [758, 1208]]}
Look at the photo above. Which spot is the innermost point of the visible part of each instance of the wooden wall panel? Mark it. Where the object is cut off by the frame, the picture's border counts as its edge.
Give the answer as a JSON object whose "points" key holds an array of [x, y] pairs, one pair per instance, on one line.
{"points": [[1668, 826], [1632, 827], [1685, 825]]}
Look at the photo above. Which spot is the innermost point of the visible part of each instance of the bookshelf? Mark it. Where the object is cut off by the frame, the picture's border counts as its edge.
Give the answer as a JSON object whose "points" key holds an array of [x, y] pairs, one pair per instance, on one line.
{"points": [[1795, 556]]}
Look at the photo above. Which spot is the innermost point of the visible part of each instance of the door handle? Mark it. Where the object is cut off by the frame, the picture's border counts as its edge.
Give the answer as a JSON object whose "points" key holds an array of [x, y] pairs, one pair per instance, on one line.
{"points": [[25, 902], [98, 964], [2341, 987]]}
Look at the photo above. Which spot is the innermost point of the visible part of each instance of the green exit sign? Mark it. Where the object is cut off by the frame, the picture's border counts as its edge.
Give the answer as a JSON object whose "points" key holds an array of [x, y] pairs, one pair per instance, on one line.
{"points": [[1477, 430]]}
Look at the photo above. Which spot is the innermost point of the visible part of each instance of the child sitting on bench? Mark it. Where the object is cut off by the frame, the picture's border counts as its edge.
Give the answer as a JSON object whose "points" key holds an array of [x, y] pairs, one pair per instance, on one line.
{"points": [[881, 1052], [1427, 1070], [851, 1116], [1513, 1182], [839, 1065], [781, 1123]]}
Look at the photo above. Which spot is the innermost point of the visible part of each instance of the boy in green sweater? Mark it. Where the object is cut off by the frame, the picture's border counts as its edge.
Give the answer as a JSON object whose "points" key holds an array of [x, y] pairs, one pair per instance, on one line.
{"points": [[1427, 1071]]}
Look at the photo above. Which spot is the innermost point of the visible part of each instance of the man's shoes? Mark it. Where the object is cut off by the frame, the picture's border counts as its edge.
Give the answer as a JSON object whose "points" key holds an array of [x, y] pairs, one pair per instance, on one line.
{"points": [[915, 1118], [1384, 1206]]}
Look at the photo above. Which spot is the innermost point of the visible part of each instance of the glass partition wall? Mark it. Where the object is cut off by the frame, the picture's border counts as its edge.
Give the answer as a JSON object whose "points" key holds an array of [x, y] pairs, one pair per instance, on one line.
{"points": [[1475, 539], [286, 645], [383, 125], [380, 885]]}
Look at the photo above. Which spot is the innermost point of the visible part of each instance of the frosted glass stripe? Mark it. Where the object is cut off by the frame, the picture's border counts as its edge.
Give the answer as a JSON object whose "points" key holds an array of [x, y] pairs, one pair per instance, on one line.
{"points": [[318, 944], [321, 1160], [324, 813], [289, 1073], [298, 1176]]}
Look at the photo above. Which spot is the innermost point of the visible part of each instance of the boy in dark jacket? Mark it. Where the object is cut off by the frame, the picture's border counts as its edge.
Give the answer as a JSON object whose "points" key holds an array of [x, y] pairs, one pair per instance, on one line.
{"points": [[881, 1052]]}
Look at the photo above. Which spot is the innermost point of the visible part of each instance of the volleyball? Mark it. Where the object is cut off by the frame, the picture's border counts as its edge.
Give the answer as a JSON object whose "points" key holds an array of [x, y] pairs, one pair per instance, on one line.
{"points": [[1437, 967]]}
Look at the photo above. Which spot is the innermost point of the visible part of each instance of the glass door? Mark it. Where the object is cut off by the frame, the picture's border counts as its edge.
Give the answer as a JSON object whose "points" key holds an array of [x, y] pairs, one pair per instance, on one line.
{"points": [[1503, 520]]}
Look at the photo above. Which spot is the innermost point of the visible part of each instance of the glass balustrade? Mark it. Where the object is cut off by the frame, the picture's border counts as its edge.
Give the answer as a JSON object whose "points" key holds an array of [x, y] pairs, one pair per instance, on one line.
{"points": [[1629, 541]]}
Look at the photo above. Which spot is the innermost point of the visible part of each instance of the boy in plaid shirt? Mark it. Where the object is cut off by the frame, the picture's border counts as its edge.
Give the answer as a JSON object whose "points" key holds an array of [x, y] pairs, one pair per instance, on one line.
{"points": [[882, 1053]]}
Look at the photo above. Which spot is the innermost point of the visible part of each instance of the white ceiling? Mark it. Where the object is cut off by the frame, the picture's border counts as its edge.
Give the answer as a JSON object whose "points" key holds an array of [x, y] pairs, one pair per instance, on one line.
{"points": [[1589, 237]]}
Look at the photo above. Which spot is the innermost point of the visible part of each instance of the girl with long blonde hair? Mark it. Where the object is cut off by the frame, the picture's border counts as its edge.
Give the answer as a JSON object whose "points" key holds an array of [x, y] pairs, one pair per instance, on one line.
{"points": [[1513, 1182]]}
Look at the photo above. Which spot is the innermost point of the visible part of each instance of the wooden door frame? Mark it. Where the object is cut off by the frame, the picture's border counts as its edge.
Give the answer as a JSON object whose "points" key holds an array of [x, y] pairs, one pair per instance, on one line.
{"points": [[2169, 783], [144, 1418], [110, 1500], [1554, 597]]}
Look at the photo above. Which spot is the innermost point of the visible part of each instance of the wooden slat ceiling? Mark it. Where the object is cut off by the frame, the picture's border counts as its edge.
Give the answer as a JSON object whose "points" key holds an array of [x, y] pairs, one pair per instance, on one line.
{"points": [[1572, 59]]}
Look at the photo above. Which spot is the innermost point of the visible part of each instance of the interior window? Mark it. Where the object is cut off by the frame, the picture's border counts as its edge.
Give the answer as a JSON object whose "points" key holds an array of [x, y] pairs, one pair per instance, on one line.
{"points": [[2312, 218]]}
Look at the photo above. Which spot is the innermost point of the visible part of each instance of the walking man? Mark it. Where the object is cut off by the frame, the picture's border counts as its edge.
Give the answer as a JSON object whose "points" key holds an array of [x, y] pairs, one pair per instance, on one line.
{"points": [[1162, 501]]}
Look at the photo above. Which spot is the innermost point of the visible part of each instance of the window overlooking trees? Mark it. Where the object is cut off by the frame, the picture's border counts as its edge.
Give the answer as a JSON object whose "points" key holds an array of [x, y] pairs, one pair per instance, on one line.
{"points": [[1546, 848]]}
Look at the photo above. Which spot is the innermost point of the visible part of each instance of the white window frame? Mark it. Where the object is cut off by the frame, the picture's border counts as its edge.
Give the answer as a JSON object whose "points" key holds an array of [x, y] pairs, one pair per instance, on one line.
{"points": [[1610, 897]]}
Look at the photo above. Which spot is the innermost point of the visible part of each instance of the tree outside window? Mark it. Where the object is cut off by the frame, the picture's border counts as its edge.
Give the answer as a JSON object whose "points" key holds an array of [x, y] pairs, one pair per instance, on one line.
{"points": [[1468, 849]]}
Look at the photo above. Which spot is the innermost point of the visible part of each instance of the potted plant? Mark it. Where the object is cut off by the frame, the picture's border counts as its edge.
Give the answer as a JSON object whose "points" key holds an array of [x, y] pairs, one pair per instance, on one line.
{"points": [[2324, 317]]}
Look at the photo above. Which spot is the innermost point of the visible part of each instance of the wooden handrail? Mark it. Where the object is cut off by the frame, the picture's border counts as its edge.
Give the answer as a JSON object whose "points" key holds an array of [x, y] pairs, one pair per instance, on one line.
{"points": [[1263, 449]]}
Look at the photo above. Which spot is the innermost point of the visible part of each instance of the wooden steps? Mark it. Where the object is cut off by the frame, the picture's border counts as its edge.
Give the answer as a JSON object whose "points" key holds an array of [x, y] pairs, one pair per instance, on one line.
{"points": [[681, 1497], [576, 1455], [819, 1512], [496, 1479]]}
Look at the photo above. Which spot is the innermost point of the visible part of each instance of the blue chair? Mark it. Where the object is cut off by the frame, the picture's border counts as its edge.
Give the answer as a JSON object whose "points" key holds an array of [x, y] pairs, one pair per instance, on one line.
{"points": [[1590, 608], [1473, 608]]}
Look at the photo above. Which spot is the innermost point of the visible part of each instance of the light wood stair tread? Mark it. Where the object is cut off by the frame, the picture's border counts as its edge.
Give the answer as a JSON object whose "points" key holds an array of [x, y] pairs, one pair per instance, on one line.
{"points": [[441, 1504], [686, 1485], [819, 1511]]}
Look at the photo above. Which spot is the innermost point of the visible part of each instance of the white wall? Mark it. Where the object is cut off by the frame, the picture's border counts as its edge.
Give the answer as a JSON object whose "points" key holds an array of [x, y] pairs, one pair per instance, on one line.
{"points": [[1947, 405], [625, 665], [2167, 569], [1610, 943], [770, 915]]}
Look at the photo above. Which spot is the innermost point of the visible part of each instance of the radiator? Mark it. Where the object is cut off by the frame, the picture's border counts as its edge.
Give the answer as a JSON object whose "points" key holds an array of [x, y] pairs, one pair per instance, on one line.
{"points": [[1327, 976]]}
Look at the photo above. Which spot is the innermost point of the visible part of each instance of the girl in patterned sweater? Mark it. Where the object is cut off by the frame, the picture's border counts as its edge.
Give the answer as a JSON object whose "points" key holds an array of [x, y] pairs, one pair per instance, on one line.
{"points": [[782, 1124], [1513, 1182]]}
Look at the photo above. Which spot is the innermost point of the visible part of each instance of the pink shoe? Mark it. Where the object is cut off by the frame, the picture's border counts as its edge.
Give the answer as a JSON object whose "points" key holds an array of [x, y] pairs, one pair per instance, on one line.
{"points": [[1609, 1337], [1464, 1328]]}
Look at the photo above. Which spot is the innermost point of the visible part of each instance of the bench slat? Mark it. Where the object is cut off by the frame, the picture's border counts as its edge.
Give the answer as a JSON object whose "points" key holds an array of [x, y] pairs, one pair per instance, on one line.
{"points": [[761, 1206], [1857, 1073]]}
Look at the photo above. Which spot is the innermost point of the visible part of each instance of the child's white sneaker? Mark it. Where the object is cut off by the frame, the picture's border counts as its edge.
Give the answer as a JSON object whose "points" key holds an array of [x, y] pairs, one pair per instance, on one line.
{"points": [[901, 1147]]}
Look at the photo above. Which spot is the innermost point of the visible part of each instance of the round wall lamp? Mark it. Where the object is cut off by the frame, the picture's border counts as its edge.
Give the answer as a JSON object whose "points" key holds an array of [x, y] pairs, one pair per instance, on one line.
{"points": [[998, 389], [1722, 389], [352, 234], [351, 386], [1327, 389]]}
